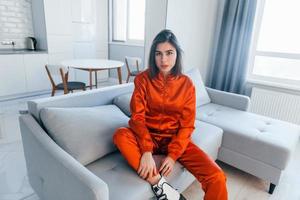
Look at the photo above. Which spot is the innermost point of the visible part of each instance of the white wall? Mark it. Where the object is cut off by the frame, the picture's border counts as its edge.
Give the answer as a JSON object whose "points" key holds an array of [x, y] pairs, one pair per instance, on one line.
{"points": [[155, 21], [192, 21]]}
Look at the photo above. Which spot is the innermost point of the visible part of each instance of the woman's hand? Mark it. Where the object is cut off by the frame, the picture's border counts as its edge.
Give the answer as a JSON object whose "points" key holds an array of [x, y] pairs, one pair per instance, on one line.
{"points": [[147, 166], [166, 166]]}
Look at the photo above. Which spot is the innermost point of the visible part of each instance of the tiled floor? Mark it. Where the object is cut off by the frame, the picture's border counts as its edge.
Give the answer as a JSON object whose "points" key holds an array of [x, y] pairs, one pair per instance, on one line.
{"points": [[13, 180], [14, 183]]}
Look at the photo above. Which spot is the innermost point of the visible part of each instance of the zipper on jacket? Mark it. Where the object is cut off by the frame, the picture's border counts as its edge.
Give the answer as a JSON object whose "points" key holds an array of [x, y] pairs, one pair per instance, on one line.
{"points": [[163, 101]]}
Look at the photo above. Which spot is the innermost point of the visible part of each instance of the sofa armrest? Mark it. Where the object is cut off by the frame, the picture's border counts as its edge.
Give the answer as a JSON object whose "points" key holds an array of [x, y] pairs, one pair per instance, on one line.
{"points": [[52, 172], [237, 101]]}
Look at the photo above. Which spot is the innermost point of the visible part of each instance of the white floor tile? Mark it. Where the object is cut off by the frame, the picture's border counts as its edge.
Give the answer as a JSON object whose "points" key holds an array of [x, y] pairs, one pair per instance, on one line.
{"points": [[11, 128], [16, 146], [13, 173], [193, 192]]}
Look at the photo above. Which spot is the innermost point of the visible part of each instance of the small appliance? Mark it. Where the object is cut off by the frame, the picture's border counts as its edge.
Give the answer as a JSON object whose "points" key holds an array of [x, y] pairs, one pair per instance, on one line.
{"points": [[31, 43]]}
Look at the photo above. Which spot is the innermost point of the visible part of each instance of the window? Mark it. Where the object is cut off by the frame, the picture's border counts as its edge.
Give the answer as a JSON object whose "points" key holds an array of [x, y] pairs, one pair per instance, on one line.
{"points": [[128, 21], [275, 54]]}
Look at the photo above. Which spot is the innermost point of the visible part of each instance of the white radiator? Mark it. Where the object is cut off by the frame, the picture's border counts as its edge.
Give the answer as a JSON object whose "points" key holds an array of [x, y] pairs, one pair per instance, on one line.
{"points": [[276, 104]]}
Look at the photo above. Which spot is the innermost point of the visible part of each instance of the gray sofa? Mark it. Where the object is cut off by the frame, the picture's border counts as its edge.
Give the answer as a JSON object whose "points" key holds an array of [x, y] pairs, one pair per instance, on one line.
{"points": [[70, 155]]}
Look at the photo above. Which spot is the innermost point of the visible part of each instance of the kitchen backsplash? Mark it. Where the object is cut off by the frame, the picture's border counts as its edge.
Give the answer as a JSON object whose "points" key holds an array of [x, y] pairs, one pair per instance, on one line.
{"points": [[15, 23]]}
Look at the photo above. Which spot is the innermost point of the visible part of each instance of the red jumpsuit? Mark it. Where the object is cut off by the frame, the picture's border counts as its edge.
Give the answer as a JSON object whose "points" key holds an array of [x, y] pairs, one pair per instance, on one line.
{"points": [[163, 114]]}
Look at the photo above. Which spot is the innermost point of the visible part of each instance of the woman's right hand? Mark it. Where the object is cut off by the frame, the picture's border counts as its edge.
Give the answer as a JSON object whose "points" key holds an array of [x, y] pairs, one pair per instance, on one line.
{"points": [[147, 166]]}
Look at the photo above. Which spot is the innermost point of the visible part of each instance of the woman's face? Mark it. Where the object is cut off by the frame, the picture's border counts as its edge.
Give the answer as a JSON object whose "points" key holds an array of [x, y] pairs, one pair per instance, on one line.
{"points": [[165, 57]]}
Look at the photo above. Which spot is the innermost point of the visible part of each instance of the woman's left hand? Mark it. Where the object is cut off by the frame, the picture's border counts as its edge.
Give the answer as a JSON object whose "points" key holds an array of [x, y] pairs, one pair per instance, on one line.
{"points": [[166, 166]]}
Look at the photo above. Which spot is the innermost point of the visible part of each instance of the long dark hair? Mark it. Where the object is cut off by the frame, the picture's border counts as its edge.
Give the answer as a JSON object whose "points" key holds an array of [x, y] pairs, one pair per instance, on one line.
{"points": [[165, 36]]}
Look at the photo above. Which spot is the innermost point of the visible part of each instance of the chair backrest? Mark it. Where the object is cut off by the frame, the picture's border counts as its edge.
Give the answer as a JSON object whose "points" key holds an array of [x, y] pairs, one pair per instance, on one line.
{"points": [[133, 62], [57, 73]]}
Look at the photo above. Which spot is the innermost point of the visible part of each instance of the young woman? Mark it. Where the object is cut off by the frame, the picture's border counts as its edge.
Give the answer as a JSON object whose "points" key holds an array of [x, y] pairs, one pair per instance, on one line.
{"points": [[163, 114]]}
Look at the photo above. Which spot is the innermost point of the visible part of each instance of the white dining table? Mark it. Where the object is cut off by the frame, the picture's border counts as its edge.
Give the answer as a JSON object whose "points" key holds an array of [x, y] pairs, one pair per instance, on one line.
{"points": [[94, 65]]}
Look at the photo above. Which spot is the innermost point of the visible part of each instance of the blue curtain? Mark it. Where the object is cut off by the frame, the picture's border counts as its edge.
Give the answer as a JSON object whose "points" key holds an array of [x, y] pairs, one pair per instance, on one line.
{"points": [[228, 66]]}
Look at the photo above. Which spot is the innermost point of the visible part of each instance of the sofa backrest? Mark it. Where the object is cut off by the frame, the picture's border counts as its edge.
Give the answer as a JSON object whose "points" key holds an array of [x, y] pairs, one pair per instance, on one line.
{"points": [[202, 96], [95, 97]]}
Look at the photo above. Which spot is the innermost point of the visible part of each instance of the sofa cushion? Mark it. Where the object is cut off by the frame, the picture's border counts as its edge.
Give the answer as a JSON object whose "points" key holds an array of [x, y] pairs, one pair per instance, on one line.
{"points": [[202, 96], [114, 170], [258, 137], [84, 132], [208, 137], [123, 102]]}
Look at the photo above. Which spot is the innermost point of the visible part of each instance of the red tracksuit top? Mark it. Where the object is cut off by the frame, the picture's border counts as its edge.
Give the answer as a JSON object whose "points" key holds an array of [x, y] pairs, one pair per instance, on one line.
{"points": [[165, 107]]}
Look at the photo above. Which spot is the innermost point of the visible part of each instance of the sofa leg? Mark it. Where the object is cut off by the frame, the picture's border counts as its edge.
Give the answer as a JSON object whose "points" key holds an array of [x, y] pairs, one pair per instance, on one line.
{"points": [[272, 187]]}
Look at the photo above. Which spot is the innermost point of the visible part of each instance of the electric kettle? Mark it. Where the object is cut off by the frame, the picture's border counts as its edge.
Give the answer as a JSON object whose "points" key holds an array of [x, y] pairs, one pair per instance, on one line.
{"points": [[31, 43]]}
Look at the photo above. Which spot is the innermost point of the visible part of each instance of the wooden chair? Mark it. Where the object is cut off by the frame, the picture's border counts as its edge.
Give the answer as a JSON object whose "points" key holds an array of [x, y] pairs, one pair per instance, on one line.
{"points": [[131, 63], [65, 85]]}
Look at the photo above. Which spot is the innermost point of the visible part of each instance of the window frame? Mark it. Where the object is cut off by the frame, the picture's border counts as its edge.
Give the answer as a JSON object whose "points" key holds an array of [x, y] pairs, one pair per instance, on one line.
{"points": [[267, 80], [127, 42]]}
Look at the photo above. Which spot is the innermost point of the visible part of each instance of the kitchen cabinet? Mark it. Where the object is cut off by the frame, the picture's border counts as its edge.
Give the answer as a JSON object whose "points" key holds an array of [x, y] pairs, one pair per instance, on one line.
{"points": [[12, 75], [35, 72], [25, 74]]}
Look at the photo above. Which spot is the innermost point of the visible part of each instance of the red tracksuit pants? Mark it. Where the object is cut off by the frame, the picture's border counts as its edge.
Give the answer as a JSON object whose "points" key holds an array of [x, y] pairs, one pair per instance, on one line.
{"points": [[207, 172]]}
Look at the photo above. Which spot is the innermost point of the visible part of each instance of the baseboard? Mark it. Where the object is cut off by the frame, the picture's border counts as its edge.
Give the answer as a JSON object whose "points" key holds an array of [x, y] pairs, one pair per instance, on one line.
{"points": [[24, 95]]}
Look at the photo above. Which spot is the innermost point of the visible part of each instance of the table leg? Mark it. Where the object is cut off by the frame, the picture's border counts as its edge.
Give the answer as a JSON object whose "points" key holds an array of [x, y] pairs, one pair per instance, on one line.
{"points": [[120, 75], [91, 84], [96, 79]]}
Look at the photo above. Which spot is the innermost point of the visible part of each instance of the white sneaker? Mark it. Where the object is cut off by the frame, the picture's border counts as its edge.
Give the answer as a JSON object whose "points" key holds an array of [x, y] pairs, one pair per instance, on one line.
{"points": [[164, 191]]}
